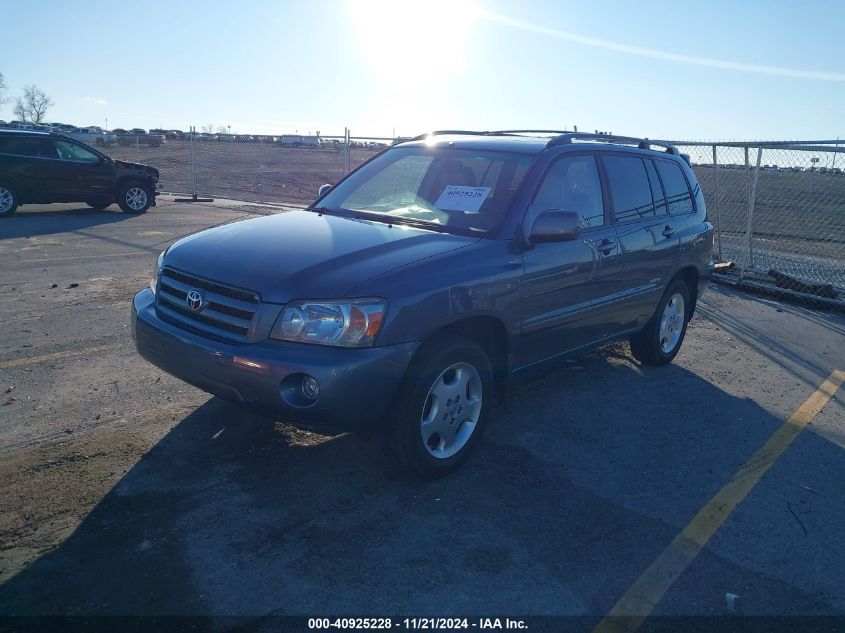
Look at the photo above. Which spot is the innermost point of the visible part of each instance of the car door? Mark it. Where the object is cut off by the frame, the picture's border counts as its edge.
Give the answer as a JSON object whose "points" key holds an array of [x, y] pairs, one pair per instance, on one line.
{"points": [[22, 162], [681, 219], [82, 174], [568, 286], [645, 234]]}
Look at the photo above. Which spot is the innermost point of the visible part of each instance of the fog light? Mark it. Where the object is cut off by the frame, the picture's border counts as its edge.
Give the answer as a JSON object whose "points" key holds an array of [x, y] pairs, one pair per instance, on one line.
{"points": [[310, 387]]}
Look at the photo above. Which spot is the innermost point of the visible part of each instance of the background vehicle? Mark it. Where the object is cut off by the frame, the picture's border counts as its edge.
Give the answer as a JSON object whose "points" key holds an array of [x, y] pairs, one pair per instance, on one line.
{"points": [[43, 167], [298, 140], [93, 136], [477, 256], [138, 136]]}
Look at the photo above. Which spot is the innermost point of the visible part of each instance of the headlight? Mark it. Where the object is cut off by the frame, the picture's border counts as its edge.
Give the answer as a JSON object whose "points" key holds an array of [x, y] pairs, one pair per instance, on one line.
{"points": [[343, 323], [156, 272]]}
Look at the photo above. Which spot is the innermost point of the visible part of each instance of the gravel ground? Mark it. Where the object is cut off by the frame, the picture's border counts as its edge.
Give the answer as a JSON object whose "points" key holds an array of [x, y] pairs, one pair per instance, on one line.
{"points": [[127, 492]]}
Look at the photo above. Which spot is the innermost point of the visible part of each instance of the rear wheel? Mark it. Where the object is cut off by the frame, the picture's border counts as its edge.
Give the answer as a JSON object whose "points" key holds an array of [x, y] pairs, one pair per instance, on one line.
{"points": [[134, 197], [659, 341], [441, 409], [8, 200]]}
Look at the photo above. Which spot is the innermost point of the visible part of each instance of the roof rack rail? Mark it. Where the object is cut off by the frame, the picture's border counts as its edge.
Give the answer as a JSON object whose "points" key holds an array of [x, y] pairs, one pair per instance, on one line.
{"points": [[461, 132], [531, 132], [488, 133], [642, 143]]}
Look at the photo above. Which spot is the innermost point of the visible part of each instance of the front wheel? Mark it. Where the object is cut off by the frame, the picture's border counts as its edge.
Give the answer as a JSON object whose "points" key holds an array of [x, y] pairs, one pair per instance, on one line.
{"points": [[441, 409], [659, 341], [134, 197], [8, 200]]}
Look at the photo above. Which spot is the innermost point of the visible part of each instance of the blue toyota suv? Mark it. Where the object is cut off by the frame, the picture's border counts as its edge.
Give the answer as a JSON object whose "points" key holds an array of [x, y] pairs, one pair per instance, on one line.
{"points": [[412, 290]]}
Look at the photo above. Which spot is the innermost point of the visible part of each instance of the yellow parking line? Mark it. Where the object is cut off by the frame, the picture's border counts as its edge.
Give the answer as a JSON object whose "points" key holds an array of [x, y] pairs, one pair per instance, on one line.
{"points": [[639, 601], [32, 360]]}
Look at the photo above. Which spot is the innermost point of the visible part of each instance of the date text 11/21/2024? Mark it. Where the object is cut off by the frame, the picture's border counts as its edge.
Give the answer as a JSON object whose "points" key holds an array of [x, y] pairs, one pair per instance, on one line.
{"points": [[430, 623]]}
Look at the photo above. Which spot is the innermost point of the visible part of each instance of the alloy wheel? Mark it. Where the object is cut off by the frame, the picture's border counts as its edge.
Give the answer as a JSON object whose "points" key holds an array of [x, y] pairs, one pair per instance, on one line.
{"points": [[136, 198], [7, 200], [451, 410], [672, 323]]}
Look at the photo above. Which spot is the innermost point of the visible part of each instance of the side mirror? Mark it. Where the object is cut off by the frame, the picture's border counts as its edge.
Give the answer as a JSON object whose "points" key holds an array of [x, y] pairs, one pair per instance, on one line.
{"points": [[323, 190], [555, 225]]}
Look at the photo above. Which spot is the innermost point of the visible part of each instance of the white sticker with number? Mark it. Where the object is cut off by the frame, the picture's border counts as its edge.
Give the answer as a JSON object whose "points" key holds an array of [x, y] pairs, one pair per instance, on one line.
{"points": [[460, 198]]}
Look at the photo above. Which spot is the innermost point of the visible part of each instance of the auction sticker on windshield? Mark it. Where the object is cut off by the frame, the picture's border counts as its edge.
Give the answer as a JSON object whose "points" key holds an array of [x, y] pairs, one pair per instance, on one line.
{"points": [[460, 198]]}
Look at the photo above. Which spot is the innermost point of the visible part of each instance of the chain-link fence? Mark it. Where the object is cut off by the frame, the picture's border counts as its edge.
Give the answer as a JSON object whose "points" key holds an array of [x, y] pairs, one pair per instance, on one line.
{"points": [[779, 211], [285, 169], [776, 206]]}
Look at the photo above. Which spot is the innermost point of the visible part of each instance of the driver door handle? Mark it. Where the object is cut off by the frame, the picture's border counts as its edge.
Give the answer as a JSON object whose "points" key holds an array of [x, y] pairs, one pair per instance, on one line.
{"points": [[668, 231]]}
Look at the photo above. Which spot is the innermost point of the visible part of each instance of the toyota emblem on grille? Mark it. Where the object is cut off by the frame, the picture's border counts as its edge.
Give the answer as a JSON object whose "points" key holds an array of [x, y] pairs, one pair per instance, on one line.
{"points": [[194, 300]]}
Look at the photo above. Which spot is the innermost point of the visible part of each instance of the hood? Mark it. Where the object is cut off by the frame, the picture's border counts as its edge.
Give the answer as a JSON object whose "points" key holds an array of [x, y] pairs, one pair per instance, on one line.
{"points": [[122, 164], [304, 255]]}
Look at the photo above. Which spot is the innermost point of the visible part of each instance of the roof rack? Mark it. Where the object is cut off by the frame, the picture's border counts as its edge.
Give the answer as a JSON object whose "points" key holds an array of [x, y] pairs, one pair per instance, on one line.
{"points": [[489, 133], [531, 132], [642, 143], [461, 132]]}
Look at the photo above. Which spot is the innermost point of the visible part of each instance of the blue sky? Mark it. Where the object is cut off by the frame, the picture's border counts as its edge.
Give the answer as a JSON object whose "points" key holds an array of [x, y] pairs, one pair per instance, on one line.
{"points": [[638, 68]]}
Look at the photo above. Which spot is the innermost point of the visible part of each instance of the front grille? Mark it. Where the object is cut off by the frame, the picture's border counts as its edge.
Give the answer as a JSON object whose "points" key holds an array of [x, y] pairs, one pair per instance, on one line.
{"points": [[227, 313]]}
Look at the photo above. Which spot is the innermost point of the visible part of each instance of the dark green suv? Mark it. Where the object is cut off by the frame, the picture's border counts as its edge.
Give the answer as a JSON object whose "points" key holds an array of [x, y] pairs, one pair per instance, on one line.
{"points": [[43, 167]]}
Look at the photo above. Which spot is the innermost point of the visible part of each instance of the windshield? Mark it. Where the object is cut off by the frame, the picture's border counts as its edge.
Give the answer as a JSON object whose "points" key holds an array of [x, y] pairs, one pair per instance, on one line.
{"points": [[458, 190]]}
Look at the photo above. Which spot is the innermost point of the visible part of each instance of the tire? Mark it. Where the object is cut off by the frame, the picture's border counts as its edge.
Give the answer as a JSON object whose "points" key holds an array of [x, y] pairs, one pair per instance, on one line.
{"points": [[134, 197], [8, 200], [100, 205], [452, 368], [659, 341]]}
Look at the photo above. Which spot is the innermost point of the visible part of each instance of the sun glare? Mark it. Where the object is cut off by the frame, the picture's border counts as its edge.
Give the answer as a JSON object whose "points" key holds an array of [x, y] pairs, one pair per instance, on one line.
{"points": [[413, 41]]}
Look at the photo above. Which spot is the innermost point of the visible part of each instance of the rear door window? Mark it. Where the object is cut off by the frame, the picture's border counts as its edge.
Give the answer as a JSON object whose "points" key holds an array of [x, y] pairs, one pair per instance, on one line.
{"points": [[678, 194], [572, 184], [629, 187], [48, 149]]}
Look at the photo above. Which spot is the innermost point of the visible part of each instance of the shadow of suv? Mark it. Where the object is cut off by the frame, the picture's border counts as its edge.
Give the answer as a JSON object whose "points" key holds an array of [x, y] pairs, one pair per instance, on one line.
{"points": [[45, 167], [411, 291]]}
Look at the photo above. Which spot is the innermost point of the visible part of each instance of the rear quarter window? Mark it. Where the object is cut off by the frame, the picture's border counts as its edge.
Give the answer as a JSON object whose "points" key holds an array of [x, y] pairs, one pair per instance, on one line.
{"points": [[678, 195], [21, 146]]}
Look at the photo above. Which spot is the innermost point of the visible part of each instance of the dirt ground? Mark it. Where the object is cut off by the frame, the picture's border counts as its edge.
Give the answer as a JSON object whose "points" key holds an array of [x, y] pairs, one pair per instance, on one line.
{"points": [[126, 491]]}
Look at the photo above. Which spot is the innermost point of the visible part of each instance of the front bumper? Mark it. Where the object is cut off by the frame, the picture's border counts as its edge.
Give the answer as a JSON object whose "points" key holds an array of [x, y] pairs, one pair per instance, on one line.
{"points": [[356, 384]]}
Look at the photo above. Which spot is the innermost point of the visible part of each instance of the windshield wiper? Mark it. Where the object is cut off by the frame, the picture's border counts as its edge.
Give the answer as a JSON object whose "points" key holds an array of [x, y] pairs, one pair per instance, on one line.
{"points": [[386, 218], [343, 213], [399, 219]]}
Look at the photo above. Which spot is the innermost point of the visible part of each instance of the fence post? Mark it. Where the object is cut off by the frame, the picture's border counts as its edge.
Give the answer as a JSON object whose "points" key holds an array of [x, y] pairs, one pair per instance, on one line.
{"points": [[193, 162], [137, 149], [347, 159], [260, 170], [718, 203], [752, 197]]}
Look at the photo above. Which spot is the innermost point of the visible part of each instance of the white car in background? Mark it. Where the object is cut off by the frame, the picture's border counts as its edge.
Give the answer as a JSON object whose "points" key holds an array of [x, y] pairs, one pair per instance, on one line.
{"points": [[94, 136]]}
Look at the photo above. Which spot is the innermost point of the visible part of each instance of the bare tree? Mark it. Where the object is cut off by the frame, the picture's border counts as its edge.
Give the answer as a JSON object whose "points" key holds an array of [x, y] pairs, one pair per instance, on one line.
{"points": [[3, 87], [33, 105], [211, 128]]}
